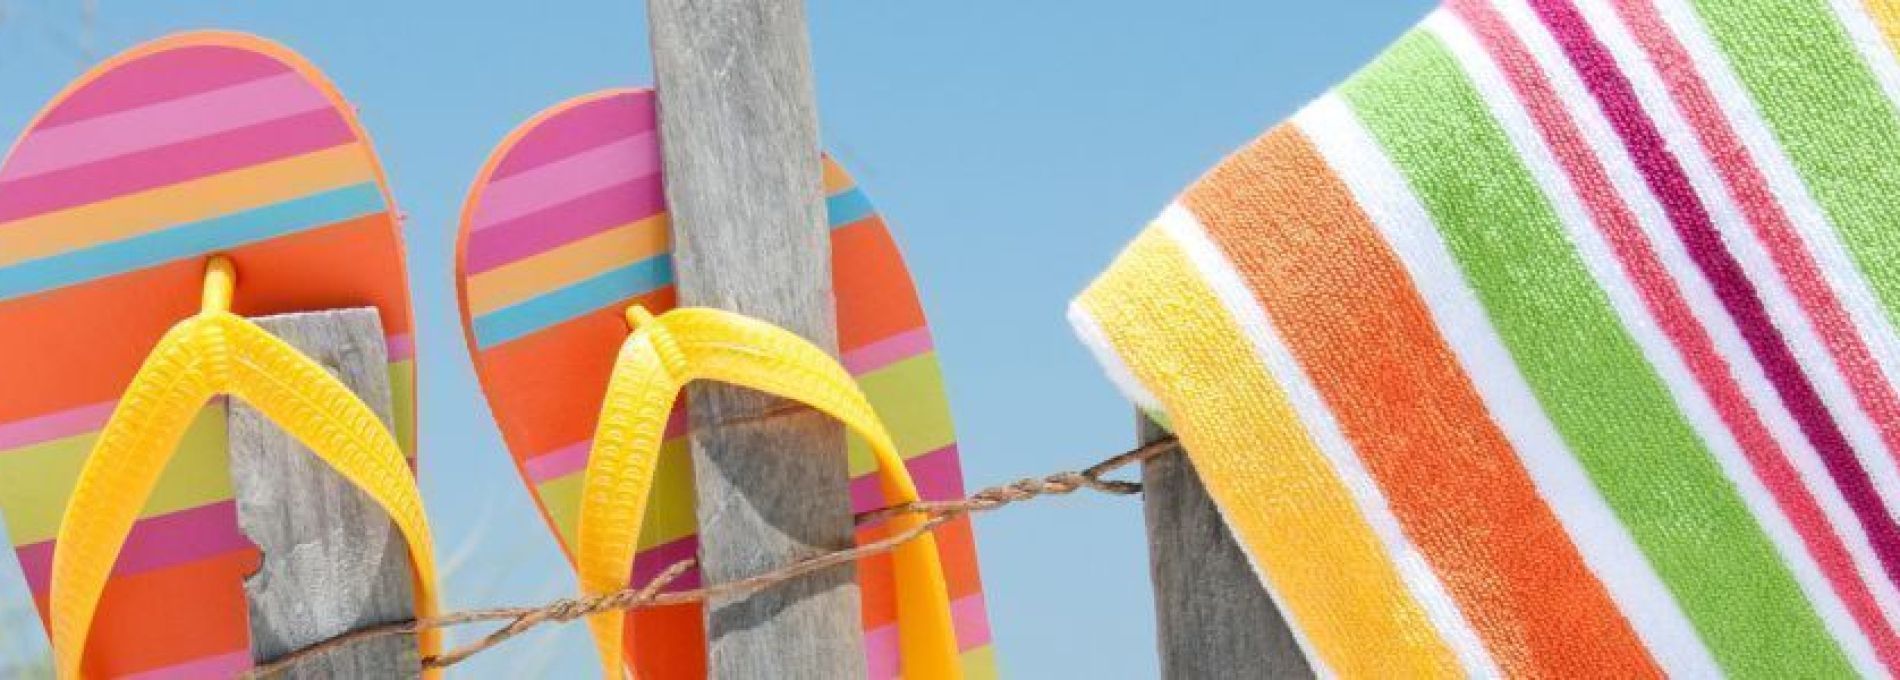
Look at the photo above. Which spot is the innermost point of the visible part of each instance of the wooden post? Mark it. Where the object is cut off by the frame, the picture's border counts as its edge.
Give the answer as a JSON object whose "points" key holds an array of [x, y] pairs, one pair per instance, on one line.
{"points": [[739, 140], [1213, 617], [333, 561]]}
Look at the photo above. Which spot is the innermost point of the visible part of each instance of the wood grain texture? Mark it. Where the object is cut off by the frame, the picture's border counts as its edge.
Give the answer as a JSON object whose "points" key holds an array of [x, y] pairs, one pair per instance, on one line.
{"points": [[1213, 618], [739, 140], [333, 561]]}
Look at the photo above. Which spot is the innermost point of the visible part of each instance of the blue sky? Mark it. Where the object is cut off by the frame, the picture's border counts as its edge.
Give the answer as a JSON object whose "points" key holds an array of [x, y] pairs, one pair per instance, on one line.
{"points": [[1014, 146]]}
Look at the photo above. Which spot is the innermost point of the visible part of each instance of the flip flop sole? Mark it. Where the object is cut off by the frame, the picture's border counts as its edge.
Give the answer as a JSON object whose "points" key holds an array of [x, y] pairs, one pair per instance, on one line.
{"points": [[565, 227], [191, 145]]}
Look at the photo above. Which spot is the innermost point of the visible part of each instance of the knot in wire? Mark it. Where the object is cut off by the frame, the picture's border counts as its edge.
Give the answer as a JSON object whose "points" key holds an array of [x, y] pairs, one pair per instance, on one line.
{"points": [[568, 610]]}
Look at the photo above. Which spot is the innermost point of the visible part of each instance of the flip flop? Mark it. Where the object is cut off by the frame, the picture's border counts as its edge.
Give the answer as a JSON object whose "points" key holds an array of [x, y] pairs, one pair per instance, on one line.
{"points": [[564, 231], [126, 209]]}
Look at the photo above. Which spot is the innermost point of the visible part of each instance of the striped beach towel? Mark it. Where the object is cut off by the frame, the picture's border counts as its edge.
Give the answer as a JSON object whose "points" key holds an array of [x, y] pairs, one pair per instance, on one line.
{"points": [[1560, 340]]}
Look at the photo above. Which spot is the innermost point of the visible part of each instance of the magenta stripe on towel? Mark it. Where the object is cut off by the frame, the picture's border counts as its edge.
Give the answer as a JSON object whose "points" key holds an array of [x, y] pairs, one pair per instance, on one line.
{"points": [[217, 666], [167, 165], [939, 476], [46, 428], [1805, 280], [199, 115], [887, 351], [579, 129], [528, 235], [155, 543], [1672, 313], [160, 77], [1773, 226], [561, 181], [1667, 180]]}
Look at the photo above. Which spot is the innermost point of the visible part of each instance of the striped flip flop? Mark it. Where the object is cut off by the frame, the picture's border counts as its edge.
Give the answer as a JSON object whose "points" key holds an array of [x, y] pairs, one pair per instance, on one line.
{"points": [[112, 206], [566, 228]]}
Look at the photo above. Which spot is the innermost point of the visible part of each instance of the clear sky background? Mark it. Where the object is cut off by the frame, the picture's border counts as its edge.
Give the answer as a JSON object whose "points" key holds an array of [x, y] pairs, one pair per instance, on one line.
{"points": [[1014, 146]]}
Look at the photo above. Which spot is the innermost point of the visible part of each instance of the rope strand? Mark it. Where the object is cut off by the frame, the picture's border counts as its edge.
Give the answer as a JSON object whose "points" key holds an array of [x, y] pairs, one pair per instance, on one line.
{"points": [[522, 619]]}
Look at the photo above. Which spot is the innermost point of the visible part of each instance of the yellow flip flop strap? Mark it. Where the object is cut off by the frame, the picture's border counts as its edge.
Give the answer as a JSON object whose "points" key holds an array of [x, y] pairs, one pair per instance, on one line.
{"points": [[217, 352], [658, 359]]}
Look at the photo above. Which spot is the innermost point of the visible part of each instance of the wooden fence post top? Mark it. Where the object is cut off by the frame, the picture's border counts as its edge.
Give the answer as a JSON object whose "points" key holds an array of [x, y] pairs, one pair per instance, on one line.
{"points": [[1213, 618], [739, 139], [333, 561]]}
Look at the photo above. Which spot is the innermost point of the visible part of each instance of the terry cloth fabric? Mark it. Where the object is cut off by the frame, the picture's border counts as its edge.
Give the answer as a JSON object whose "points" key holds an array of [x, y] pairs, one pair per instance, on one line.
{"points": [[1561, 340]]}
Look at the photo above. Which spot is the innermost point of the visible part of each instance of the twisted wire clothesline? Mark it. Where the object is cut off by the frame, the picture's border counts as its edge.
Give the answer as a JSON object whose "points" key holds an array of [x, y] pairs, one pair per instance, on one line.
{"points": [[521, 619]]}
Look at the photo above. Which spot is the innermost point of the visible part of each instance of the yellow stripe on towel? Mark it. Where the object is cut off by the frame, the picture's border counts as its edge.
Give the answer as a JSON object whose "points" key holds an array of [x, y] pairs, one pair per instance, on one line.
{"points": [[1284, 501]]}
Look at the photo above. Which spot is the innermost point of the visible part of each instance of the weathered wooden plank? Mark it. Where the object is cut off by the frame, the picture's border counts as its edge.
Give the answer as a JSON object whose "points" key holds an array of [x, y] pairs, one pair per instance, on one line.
{"points": [[333, 561], [739, 137], [1213, 618]]}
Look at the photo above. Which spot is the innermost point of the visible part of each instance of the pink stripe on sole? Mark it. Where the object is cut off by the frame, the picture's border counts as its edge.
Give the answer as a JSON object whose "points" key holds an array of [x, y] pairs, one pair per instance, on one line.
{"points": [[972, 618], [558, 463], [578, 129], [938, 474], [46, 428], [887, 351], [616, 162], [650, 562], [401, 347], [162, 77], [220, 666], [535, 233], [178, 120], [173, 164], [572, 458], [155, 543], [69, 423], [882, 652], [968, 615]]}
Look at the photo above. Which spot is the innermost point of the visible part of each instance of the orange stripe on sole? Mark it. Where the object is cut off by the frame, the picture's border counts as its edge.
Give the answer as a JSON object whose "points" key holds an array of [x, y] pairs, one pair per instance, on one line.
{"points": [[121, 316], [163, 618], [864, 262], [545, 388]]}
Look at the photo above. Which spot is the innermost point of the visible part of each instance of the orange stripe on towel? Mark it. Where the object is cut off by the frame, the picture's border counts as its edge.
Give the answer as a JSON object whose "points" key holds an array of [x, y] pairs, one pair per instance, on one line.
{"points": [[1348, 310]]}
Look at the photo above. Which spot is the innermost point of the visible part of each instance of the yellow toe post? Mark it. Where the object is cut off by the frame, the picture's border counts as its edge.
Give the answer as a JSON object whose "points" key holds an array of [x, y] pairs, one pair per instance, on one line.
{"points": [[659, 358], [216, 352], [220, 283]]}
